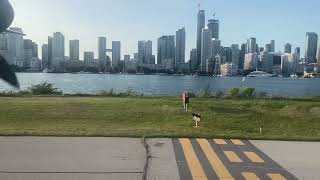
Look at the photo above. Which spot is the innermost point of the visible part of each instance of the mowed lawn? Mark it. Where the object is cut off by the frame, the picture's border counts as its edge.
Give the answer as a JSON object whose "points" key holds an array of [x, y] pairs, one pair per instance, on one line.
{"points": [[159, 117]]}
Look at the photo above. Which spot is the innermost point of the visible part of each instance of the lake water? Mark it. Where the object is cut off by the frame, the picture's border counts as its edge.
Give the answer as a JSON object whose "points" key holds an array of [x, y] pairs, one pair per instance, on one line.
{"points": [[156, 85]]}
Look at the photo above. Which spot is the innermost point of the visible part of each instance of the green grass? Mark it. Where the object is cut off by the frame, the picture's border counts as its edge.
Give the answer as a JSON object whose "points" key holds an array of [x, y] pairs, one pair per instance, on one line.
{"points": [[159, 117]]}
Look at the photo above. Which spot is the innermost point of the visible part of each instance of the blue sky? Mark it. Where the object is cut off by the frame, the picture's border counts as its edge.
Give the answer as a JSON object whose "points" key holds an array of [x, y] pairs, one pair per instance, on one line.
{"points": [[133, 20]]}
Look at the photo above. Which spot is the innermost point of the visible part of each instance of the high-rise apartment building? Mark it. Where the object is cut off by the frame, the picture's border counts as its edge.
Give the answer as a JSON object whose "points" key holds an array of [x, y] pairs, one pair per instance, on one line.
{"points": [[166, 49], [102, 49], [311, 47], [116, 53], [88, 58], [74, 49], [58, 46], [252, 45], [213, 25], [287, 48], [205, 47], [180, 46], [200, 26]]}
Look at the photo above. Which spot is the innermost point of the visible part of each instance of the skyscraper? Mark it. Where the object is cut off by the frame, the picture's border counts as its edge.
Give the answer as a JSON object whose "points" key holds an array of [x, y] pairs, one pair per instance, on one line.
{"points": [[268, 48], [142, 51], [44, 53], [88, 58], [58, 50], [273, 46], [116, 53], [193, 59], [74, 49], [318, 57], [287, 48], [205, 47], [148, 53], [58, 46], [200, 26], [166, 49], [15, 47], [311, 47], [213, 25], [102, 48], [215, 47], [145, 52], [49, 51], [235, 51], [252, 45], [180, 46], [35, 50]]}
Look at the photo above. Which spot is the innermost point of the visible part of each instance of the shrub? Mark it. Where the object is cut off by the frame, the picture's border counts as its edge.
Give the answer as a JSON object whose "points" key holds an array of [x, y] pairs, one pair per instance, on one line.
{"points": [[234, 92], [248, 92], [44, 89]]}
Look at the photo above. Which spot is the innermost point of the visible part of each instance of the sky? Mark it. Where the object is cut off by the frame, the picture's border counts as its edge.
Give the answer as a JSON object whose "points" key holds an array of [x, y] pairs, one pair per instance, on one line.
{"points": [[129, 21]]}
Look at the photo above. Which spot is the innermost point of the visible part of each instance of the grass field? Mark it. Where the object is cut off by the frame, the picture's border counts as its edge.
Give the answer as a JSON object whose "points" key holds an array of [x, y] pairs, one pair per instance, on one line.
{"points": [[160, 117]]}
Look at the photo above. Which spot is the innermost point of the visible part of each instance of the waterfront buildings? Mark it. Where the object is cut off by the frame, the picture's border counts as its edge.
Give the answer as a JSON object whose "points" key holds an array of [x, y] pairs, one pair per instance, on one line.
{"points": [[228, 69], [74, 49], [180, 47], [311, 47], [166, 49]]}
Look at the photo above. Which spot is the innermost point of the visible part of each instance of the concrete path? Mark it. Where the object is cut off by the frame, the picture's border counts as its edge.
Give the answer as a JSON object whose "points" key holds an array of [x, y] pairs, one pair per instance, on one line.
{"points": [[51, 158], [71, 158]]}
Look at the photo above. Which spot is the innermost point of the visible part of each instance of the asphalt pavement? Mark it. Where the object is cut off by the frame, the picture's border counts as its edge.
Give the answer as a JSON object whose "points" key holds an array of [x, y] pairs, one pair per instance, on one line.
{"points": [[67, 158]]}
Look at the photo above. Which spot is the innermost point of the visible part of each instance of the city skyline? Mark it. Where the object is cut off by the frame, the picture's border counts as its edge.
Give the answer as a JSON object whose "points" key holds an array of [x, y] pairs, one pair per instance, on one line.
{"points": [[232, 31]]}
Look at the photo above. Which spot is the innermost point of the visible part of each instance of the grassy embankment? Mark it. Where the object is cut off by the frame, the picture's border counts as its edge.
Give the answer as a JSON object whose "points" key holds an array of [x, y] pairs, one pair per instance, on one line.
{"points": [[160, 117]]}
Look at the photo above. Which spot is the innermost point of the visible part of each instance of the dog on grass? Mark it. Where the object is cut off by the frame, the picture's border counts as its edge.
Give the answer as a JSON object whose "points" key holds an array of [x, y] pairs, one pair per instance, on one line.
{"points": [[196, 118]]}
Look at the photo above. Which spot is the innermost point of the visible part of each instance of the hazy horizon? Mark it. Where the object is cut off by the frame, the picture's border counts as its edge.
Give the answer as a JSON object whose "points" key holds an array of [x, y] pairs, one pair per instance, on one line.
{"points": [[130, 21]]}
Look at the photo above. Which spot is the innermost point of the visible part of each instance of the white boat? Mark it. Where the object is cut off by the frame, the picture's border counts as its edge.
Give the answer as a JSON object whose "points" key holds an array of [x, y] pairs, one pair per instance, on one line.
{"points": [[260, 74]]}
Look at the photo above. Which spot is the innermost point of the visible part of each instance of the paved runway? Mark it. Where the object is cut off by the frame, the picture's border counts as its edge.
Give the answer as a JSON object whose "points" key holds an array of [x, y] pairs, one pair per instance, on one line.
{"points": [[53, 158]]}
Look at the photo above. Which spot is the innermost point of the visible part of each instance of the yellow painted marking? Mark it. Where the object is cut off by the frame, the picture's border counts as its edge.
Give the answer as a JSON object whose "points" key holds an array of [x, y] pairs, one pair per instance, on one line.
{"points": [[220, 141], [232, 156], [250, 176], [254, 157], [214, 160], [237, 142], [276, 177], [192, 160]]}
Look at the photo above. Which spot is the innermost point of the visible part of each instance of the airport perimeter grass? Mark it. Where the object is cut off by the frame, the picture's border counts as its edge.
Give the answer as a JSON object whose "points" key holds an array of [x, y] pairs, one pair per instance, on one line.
{"points": [[159, 117]]}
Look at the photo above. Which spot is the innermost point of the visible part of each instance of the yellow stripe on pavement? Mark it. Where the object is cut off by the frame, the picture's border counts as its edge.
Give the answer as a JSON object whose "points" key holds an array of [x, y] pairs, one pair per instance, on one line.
{"points": [[220, 141], [276, 177], [232, 156], [254, 157], [237, 142], [214, 160], [250, 176], [192, 160]]}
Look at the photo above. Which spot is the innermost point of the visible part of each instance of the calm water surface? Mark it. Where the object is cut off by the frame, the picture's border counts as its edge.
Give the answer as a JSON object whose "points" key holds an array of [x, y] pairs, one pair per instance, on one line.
{"points": [[155, 85]]}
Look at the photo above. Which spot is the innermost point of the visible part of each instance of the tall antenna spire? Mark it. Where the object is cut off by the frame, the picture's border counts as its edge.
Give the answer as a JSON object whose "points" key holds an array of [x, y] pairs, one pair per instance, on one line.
{"points": [[199, 5]]}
